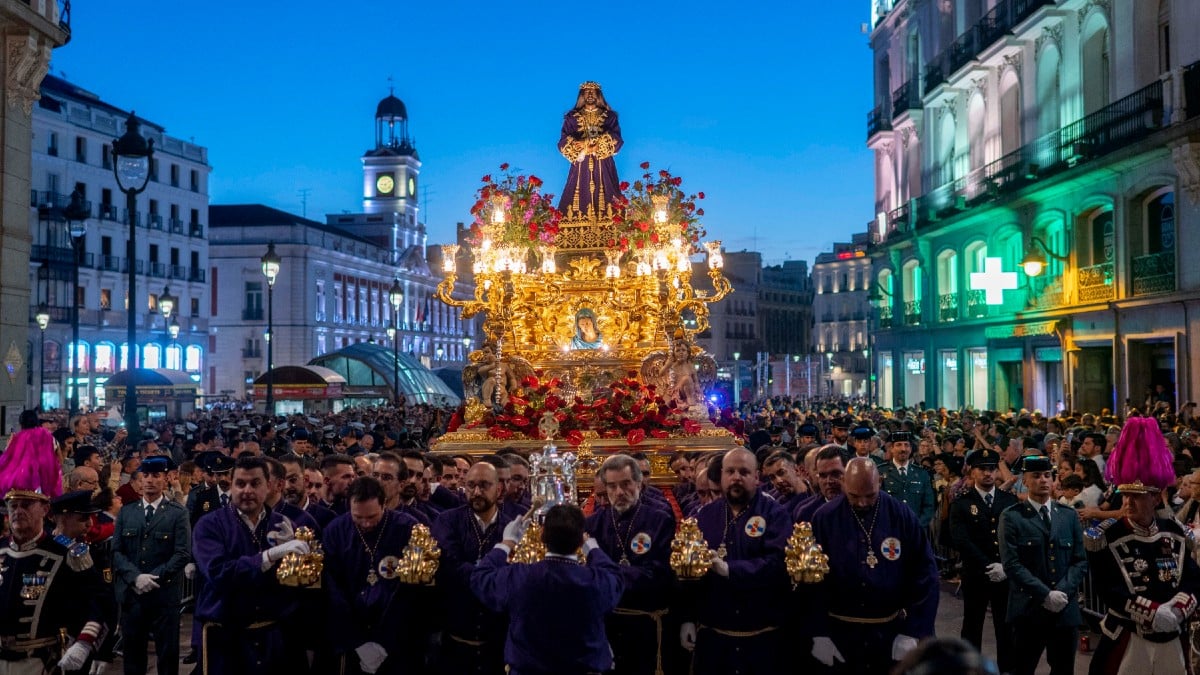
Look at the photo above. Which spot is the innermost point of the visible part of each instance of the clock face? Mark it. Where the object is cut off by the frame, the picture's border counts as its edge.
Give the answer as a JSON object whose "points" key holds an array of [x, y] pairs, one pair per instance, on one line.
{"points": [[385, 184], [412, 187]]}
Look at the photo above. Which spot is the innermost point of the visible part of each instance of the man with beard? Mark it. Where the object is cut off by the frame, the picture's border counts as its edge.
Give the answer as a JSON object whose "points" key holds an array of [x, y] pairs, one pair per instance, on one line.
{"points": [[473, 641], [908, 482], [742, 601], [443, 496], [790, 490], [880, 596], [706, 491], [338, 472], [241, 602], [413, 486], [830, 470], [839, 430], [591, 136], [153, 544], [539, 640], [397, 480], [295, 492], [372, 616], [974, 522], [275, 498], [638, 535]]}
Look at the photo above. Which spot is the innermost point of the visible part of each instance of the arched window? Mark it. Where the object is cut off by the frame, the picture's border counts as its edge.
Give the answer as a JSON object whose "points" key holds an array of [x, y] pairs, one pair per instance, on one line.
{"points": [[976, 121], [1102, 237], [911, 288], [152, 356], [1095, 64], [946, 149], [81, 351], [173, 357], [974, 256], [1160, 223], [947, 283], [1010, 113], [105, 358], [1048, 101]]}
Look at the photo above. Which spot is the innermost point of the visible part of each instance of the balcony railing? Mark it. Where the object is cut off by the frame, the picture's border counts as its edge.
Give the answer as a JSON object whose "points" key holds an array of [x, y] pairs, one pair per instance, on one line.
{"points": [[196, 230], [907, 97], [1154, 273], [57, 314], [137, 217], [948, 307], [176, 226], [196, 274], [55, 255], [994, 25], [109, 263], [878, 120], [155, 221], [252, 314], [912, 313], [158, 269], [885, 316], [109, 212], [1117, 125], [976, 304], [251, 353], [179, 272], [1096, 283]]}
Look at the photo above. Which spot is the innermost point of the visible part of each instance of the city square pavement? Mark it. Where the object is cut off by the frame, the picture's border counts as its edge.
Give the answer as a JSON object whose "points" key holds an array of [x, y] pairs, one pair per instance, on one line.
{"points": [[949, 622]]}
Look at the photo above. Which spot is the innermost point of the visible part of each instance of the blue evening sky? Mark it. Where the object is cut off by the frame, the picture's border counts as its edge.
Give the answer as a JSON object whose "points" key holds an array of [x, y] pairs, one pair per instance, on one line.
{"points": [[762, 105]]}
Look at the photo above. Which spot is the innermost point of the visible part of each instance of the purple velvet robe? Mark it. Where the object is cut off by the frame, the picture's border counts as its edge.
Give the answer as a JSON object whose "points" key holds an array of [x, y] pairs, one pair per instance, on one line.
{"points": [[643, 537], [236, 591], [592, 182]]}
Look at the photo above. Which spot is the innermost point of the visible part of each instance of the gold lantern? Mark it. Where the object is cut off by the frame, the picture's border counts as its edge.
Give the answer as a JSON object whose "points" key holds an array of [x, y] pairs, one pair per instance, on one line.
{"points": [[690, 556], [806, 561], [303, 570]]}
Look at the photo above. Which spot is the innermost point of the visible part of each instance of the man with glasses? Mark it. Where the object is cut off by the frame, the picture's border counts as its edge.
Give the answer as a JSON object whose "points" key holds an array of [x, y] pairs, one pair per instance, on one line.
{"points": [[517, 489], [393, 473], [473, 641], [830, 470]]}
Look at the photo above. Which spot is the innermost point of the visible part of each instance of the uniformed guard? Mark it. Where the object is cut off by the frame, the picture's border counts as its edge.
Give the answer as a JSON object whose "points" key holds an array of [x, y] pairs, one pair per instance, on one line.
{"points": [[373, 620], [540, 641], [1041, 546], [152, 544], [733, 617], [637, 535], [73, 513], [862, 443], [974, 527], [240, 601], [908, 482], [56, 607], [1142, 565], [473, 639], [880, 596]]}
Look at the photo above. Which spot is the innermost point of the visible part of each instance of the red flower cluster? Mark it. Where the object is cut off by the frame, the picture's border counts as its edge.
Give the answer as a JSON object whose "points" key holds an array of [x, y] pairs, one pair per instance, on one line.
{"points": [[530, 216], [633, 211]]}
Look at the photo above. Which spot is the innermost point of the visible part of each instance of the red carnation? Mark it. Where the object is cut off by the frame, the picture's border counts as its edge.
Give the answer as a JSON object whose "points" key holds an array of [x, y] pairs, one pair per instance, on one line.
{"points": [[635, 436], [659, 433], [624, 185], [700, 195], [676, 181], [691, 426], [487, 178], [535, 181], [575, 438], [502, 434], [645, 165], [699, 212], [504, 166], [662, 173]]}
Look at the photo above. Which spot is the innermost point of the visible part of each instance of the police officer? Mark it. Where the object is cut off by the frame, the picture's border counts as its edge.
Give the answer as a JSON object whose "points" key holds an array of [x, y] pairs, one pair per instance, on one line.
{"points": [[974, 525], [862, 443], [152, 544], [1041, 546], [637, 533], [212, 497], [906, 481]]}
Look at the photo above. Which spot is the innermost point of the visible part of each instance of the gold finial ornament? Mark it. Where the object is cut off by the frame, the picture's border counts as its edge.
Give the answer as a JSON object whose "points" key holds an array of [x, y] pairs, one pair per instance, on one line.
{"points": [[419, 561], [806, 561], [690, 556], [530, 549], [303, 570]]}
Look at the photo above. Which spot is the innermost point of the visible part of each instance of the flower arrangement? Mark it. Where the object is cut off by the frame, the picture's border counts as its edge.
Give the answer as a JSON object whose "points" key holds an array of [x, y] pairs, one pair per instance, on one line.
{"points": [[656, 210], [626, 408], [511, 210]]}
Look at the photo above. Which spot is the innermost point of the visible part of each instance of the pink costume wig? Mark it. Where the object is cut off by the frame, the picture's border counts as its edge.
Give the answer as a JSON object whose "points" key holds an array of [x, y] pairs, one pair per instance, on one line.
{"points": [[1141, 455], [30, 463]]}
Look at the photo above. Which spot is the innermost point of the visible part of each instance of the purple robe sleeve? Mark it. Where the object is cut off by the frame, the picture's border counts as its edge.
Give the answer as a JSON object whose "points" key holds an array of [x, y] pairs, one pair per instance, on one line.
{"points": [[492, 579], [217, 561], [769, 570]]}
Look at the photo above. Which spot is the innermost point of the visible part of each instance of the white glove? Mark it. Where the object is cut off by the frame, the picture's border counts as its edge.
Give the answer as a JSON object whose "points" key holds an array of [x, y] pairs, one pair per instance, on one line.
{"points": [[590, 544], [902, 645], [75, 656], [687, 636], [1056, 601], [98, 667], [826, 652], [1166, 620], [719, 566], [144, 583], [189, 571], [995, 573], [283, 532], [515, 530], [371, 655], [276, 553]]}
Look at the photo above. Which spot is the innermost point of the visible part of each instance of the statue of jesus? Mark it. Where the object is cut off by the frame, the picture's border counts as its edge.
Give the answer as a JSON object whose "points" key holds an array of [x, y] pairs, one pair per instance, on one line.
{"points": [[591, 136]]}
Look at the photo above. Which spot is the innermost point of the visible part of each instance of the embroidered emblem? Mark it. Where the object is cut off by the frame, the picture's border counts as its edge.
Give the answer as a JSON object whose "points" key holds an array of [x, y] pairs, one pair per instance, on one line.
{"points": [[640, 543], [890, 548], [974, 510], [388, 567], [756, 527]]}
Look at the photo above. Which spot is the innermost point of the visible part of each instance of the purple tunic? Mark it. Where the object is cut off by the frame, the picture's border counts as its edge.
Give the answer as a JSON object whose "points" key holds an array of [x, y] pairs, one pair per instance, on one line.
{"points": [[539, 640], [458, 535], [642, 536], [592, 182], [236, 592]]}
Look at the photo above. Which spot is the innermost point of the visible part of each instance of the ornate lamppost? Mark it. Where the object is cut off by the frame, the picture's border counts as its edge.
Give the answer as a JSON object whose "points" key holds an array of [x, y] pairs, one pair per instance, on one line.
{"points": [[43, 320], [131, 166], [270, 269], [396, 297], [466, 342], [173, 332]]}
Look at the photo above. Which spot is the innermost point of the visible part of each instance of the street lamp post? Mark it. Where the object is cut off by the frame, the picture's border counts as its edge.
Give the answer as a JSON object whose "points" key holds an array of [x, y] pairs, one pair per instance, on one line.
{"points": [[43, 320], [437, 354], [131, 166], [466, 342], [737, 382], [173, 331], [395, 296], [270, 269]]}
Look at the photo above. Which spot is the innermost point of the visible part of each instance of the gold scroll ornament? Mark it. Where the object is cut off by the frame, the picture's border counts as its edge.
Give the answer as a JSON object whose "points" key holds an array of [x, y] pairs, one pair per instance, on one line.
{"points": [[806, 561], [690, 556], [419, 560], [303, 570]]}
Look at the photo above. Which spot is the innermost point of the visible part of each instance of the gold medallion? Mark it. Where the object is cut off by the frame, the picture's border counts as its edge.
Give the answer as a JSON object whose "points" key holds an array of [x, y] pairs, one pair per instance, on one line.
{"points": [[625, 560], [721, 552], [372, 578], [872, 561]]}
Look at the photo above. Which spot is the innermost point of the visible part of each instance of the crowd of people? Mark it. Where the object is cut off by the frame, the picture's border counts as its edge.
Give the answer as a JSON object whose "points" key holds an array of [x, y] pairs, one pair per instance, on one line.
{"points": [[104, 536]]}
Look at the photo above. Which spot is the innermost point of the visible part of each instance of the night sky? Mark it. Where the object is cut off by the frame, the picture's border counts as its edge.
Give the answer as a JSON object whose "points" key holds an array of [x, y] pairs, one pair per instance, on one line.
{"points": [[762, 105]]}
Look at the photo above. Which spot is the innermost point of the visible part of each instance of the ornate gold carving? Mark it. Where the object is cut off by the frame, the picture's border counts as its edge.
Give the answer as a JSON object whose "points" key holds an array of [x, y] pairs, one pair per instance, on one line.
{"points": [[691, 557], [583, 269]]}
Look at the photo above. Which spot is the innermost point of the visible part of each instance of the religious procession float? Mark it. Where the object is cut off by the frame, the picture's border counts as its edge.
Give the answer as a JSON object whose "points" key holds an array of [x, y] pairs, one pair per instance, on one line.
{"points": [[589, 309]]}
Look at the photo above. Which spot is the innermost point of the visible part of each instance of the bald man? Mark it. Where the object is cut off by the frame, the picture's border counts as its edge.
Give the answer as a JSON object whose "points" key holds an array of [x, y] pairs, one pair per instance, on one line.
{"points": [[740, 605], [881, 594], [473, 641]]}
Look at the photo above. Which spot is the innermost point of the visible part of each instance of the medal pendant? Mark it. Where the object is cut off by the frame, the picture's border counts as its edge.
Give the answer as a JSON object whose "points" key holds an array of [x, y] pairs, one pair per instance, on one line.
{"points": [[721, 552], [872, 561], [625, 560], [372, 578]]}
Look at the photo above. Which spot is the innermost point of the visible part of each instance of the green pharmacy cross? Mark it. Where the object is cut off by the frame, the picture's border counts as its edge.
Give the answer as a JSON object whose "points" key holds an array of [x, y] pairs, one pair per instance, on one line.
{"points": [[993, 281]]}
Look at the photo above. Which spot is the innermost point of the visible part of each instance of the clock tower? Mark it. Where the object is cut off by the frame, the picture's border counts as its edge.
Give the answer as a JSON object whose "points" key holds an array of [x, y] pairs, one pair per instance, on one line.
{"points": [[392, 167]]}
